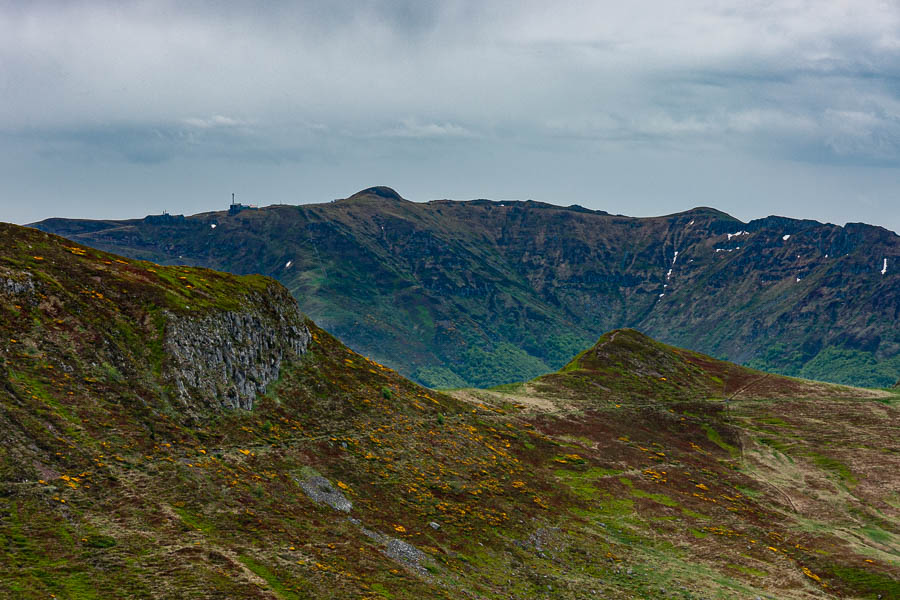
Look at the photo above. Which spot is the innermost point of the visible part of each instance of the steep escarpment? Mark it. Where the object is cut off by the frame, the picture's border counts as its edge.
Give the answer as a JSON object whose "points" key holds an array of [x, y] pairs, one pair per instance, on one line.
{"points": [[230, 357], [485, 292]]}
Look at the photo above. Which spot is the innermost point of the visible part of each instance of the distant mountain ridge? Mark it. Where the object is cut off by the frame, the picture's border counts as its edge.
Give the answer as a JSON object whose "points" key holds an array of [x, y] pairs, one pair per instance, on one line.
{"points": [[481, 292]]}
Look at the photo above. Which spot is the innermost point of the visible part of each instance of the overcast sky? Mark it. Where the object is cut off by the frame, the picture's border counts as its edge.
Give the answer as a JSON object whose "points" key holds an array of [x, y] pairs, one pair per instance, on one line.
{"points": [[642, 108]]}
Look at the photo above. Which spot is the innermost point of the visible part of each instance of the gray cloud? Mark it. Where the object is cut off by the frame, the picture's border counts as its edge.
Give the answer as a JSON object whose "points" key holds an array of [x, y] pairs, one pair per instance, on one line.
{"points": [[414, 129], [459, 99]]}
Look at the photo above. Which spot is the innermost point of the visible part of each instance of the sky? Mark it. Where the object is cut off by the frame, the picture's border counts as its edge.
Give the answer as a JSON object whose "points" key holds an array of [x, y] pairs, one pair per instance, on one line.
{"points": [[123, 109]]}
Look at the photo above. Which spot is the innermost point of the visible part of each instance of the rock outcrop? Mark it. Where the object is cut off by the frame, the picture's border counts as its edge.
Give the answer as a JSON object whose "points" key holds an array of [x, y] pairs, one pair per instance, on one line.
{"points": [[15, 287], [225, 359], [320, 490]]}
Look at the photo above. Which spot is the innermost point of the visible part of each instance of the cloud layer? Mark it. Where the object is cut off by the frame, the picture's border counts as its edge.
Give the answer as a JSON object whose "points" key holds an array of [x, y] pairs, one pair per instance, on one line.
{"points": [[640, 107]]}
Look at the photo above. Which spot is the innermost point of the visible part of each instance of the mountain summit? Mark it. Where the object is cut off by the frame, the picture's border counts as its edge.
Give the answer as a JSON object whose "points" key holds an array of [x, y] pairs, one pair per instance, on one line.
{"points": [[380, 191]]}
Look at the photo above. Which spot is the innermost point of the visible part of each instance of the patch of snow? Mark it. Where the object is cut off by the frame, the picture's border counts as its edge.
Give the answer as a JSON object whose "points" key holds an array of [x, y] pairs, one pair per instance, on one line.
{"points": [[212, 225], [661, 295], [826, 256], [691, 223], [674, 258], [731, 235], [786, 237], [798, 279], [288, 264], [884, 268]]}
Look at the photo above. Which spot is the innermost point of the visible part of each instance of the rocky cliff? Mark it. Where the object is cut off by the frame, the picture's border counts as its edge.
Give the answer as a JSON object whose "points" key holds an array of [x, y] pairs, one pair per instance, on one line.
{"points": [[229, 357]]}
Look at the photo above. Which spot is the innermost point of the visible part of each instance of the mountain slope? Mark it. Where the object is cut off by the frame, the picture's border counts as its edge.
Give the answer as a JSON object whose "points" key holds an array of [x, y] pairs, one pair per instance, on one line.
{"points": [[626, 365], [132, 468], [705, 467], [487, 292]]}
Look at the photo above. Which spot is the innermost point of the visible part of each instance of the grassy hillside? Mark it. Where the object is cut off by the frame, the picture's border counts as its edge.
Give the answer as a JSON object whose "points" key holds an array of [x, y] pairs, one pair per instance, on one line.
{"points": [[481, 293], [346, 480]]}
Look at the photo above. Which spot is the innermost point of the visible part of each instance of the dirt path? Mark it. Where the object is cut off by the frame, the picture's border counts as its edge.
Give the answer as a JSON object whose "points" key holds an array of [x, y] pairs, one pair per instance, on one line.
{"points": [[478, 396]]}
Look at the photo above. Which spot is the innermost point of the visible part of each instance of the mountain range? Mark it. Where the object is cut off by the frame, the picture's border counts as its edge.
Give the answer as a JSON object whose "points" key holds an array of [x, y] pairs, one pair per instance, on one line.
{"points": [[176, 432], [482, 293]]}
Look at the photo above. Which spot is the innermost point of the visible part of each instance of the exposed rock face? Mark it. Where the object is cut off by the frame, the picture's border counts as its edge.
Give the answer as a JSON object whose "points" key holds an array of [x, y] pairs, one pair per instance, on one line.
{"points": [[320, 490], [14, 287], [400, 551], [225, 359]]}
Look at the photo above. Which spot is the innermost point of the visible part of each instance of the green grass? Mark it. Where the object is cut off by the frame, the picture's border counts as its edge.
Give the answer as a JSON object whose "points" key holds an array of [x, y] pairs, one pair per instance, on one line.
{"points": [[582, 483], [612, 506], [694, 515], [194, 521], [868, 583], [275, 584], [81, 586], [780, 445], [836, 467], [877, 534], [381, 590], [749, 492], [714, 436], [658, 498]]}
